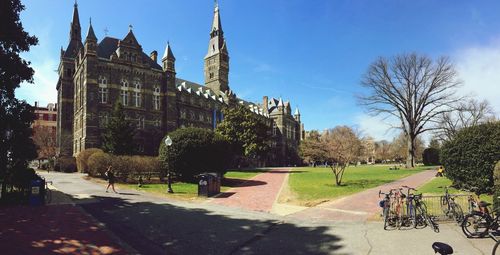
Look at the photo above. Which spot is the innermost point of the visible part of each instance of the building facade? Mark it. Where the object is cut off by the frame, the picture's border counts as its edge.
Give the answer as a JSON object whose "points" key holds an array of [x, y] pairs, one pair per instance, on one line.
{"points": [[94, 75]]}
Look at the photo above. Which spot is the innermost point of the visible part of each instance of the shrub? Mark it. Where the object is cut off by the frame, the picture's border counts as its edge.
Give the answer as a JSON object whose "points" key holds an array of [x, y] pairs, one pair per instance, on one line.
{"points": [[430, 157], [195, 151], [470, 157], [496, 187], [82, 159], [126, 168], [65, 164], [98, 163]]}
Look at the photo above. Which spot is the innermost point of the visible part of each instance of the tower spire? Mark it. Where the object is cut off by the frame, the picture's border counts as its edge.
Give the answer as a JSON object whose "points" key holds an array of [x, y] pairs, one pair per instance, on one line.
{"points": [[217, 58], [90, 32], [75, 32]]}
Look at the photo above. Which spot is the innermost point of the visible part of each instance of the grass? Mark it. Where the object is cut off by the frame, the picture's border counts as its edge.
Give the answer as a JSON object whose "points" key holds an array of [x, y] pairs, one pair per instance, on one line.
{"points": [[310, 186], [189, 191], [433, 188]]}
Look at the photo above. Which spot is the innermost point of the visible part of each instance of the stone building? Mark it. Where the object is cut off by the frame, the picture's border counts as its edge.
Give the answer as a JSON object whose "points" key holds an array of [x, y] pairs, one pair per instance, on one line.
{"points": [[44, 130], [94, 75]]}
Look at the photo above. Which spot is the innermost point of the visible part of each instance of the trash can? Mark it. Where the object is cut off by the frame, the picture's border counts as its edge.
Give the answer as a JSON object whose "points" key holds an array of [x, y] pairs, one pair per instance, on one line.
{"points": [[36, 192], [208, 184]]}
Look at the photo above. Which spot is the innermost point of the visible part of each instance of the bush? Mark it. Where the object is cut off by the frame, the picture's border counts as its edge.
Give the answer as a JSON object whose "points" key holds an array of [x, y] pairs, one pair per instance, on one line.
{"points": [[496, 187], [82, 159], [430, 157], [195, 151], [126, 168], [470, 157], [98, 163], [65, 164]]}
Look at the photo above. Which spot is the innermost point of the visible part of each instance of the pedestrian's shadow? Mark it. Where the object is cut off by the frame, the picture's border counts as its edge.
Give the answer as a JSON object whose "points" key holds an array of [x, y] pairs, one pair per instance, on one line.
{"points": [[152, 228]]}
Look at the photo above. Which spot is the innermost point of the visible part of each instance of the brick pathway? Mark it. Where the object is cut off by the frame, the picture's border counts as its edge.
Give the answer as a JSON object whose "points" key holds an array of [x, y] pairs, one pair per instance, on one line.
{"points": [[57, 229], [258, 194], [360, 206]]}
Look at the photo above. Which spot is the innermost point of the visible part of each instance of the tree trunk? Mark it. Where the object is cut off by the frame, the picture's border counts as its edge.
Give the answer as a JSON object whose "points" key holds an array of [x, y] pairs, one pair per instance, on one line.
{"points": [[410, 159]]}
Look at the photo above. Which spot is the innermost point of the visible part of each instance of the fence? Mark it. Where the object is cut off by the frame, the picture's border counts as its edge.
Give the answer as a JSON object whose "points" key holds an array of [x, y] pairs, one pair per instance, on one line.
{"points": [[437, 210]]}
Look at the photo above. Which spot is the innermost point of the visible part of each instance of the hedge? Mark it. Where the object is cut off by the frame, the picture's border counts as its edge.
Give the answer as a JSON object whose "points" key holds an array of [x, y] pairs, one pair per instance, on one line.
{"points": [[126, 168], [65, 164], [430, 157], [496, 187], [194, 151], [82, 159], [469, 158]]}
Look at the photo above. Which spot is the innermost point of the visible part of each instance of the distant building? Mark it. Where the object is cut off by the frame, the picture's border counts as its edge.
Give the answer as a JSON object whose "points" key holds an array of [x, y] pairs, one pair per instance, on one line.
{"points": [[94, 75], [45, 129]]}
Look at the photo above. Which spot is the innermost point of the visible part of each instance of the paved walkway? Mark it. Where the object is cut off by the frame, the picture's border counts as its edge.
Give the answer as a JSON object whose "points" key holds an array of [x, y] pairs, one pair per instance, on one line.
{"points": [[360, 206], [257, 194]]}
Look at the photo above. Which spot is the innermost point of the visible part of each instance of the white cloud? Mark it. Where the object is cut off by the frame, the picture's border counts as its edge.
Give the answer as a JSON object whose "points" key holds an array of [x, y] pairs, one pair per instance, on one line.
{"points": [[377, 127], [479, 68], [45, 63]]}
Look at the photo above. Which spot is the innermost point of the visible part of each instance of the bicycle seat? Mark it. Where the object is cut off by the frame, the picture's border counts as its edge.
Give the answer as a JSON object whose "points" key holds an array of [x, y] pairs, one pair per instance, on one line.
{"points": [[442, 248], [484, 204]]}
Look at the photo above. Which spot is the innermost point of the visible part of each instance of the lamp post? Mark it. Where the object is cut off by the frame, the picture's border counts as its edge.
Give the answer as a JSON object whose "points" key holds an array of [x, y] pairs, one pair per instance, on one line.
{"points": [[168, 143]]}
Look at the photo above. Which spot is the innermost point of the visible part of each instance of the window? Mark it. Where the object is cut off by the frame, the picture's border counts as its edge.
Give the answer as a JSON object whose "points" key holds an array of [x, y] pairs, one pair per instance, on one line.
{"points": [[140, 123], [157, 123], [137, 93], [103, 119], [103, 95], [275, 128], [156, 97], [124, 83], [103, 82], [124, 96]]}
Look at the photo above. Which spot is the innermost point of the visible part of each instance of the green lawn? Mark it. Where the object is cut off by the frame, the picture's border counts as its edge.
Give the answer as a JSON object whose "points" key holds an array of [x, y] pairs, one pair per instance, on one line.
{"points": [[433, 187], [310, 186], [183, 190]]}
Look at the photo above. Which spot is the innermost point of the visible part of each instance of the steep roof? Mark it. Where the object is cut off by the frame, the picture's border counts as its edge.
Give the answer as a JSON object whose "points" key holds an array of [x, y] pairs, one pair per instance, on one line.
{"points": [[108, 45]]}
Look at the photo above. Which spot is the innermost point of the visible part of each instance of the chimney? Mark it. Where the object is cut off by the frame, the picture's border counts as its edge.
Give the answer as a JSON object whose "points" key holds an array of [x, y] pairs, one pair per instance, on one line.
{"points": [[36, 104], [154, 56], [265, 103]]}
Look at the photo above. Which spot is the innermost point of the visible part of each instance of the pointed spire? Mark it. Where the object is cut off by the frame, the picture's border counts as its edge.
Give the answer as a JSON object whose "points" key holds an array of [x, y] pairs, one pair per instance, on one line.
{"points": [[280, 102], [168, 53], [76, 17], [90, 32], [216, 24], [297, 111], [75, 25]]}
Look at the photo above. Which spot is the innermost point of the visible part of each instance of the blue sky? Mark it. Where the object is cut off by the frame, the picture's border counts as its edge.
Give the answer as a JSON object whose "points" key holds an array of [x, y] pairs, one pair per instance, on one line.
{"points": [[312, 53]]}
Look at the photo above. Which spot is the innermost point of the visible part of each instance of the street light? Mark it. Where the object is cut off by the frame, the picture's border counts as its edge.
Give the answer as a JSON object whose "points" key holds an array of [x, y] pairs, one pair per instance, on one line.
{"points": [[168, 143]]}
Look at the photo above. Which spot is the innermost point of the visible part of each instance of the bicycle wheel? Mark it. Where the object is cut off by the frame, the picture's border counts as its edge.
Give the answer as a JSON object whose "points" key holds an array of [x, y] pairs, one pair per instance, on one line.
{"points": [[422, 208], [495, 248], [475, 225], [443, 202], [458, 214]]}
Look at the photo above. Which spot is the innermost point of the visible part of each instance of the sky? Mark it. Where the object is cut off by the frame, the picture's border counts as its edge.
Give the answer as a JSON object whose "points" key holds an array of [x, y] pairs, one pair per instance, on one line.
{"points": [[312, 53]]}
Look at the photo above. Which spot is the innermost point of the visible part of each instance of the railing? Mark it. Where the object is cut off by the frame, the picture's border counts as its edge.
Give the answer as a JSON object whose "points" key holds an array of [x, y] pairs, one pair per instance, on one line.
{"points": [[435, 209]]}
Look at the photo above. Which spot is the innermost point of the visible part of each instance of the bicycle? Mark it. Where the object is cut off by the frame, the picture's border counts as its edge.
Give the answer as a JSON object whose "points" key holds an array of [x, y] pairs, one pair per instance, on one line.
{"points": [[410, 218], [389, 219], [450, 208], [424, 217], [47, 191], [479, 223]]}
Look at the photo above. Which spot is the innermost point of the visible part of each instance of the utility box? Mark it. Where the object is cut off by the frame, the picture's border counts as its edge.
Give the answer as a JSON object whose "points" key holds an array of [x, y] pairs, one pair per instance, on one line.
{"points": [[36, 192], [208, 184]]}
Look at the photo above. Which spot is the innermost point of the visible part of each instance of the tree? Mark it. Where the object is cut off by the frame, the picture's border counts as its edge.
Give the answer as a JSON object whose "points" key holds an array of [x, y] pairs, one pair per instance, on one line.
{"points": [[45, 140], [413, 89], [246, 131], [311, 149], [382, 150], [119, 133], [16, 146], [430, 157], [470, 157], [194, 151], [465, 114], [341, 146]]}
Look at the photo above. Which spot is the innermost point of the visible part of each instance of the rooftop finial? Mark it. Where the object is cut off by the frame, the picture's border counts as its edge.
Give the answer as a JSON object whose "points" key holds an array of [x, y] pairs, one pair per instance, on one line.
{"points": [[76, 4], [90, 21], [130, 27], [106, 31], [216, 5]]}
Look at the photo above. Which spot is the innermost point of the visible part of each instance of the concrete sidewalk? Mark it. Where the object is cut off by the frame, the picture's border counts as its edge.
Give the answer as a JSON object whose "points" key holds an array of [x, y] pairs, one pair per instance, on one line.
{"points": [[154, 225]]}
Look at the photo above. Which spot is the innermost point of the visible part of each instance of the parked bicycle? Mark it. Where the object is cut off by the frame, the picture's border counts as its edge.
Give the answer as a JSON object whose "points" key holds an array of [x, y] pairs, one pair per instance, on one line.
{"points": [[422, 213], [450, 208], [47, 191], [389, 218], [479, 223]]}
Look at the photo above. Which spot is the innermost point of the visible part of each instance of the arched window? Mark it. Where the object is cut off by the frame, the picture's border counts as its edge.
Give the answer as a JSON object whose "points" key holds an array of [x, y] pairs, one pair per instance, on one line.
{"points": [[137, 93], [124, 83], [156, 97]]}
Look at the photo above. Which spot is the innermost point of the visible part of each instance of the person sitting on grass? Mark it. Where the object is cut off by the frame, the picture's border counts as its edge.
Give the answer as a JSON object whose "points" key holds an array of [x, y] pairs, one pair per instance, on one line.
{"points": [[440, 172], [111, 179]]}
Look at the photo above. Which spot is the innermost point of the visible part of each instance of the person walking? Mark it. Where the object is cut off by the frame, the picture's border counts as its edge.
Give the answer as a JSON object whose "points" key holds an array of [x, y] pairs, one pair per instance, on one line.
{"points": [[111, 179]]}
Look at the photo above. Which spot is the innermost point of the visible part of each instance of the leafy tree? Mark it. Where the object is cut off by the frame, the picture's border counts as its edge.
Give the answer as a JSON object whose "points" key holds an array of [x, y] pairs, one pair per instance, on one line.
{"points": [[311, 149], [341, 146], [194, 151], [16, 146], [119, 133], [412, 88], [469, 158], [247, 132], [430, 157]]}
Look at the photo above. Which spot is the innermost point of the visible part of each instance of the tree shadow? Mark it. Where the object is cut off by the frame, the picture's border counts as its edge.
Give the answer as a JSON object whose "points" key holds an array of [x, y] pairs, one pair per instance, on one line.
{"points": [[152, 228], [233, 182]]}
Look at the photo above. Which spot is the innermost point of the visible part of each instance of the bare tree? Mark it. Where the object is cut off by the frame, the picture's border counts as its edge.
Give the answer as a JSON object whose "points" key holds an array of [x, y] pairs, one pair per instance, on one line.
{"points": [[45, 140], [414, 89], [382, 150], [466, 114], [341, 146]]}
